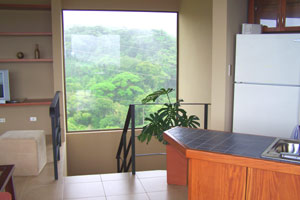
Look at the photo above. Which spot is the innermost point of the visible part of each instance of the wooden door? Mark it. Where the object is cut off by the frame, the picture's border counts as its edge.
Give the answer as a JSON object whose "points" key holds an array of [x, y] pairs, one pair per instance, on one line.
{"points": [[216, 181], [266, 185]]}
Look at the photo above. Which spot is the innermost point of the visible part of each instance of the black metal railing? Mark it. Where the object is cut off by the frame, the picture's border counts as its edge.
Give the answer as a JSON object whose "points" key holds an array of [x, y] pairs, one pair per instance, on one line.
{"points": [[126, 165], [56, 131], [123, 164]]}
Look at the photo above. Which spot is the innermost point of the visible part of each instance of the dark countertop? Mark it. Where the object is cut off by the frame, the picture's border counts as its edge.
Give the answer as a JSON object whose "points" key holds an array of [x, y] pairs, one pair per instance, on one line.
{"points": [[245, 145]]}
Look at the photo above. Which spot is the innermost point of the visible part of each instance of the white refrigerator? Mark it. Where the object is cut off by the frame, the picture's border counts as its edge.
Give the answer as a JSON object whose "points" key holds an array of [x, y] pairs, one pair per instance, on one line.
{"points": [[267, 84]]}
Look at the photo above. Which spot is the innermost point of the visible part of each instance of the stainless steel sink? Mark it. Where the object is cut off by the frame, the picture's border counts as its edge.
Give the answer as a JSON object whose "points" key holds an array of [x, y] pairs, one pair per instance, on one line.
{"points": [[283, 149]]}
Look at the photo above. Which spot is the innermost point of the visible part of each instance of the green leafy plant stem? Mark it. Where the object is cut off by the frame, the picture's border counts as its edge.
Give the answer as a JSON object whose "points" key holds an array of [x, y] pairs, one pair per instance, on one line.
{"points": [[169, 98]]}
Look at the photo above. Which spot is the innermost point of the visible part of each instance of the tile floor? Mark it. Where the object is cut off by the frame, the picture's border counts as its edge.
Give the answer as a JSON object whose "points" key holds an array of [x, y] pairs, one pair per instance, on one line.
{"points": [[146, 185], [42, 187]]}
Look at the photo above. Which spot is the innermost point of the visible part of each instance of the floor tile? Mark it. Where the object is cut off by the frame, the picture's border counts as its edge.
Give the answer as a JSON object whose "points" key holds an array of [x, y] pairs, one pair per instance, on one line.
{"points": [[45, 192], [123, 187], [151, 174], [45, 177], [148, 185], [92, 198], [129, 197], [154, 184], [19, 184], [83, 190], [82, 179], [117, 176], [173, 193]]}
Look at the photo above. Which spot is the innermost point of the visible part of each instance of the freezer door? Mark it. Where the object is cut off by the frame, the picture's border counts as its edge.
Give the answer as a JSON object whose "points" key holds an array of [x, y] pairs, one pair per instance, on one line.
{"points": [[268, 58], [265, 110]]}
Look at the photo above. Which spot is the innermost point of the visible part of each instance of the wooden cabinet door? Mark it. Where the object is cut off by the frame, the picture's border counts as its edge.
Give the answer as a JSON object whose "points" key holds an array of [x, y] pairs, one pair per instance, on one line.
{"points": [[266, 13], [216, 181], [266, 185], [291, 15], [275, 15]]}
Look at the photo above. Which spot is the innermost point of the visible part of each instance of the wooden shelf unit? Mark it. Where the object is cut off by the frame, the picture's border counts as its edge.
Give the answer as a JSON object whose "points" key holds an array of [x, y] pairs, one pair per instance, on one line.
{"points": [[25, 34], [25, 7], [29, 102], [29, 7], [25, 60]]}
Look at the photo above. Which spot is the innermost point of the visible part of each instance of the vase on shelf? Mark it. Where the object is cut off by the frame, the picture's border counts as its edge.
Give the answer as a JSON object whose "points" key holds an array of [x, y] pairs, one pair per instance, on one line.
{"points": [[37, 52]]}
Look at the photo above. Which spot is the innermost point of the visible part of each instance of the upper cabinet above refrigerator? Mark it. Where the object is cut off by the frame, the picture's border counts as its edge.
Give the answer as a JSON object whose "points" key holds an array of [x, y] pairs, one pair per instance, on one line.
{"points": [[275, 15], [260, 55]]}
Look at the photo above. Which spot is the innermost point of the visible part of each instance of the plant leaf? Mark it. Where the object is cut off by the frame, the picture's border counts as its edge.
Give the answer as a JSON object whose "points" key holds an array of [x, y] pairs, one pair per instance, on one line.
{"points": [[153, 96]]}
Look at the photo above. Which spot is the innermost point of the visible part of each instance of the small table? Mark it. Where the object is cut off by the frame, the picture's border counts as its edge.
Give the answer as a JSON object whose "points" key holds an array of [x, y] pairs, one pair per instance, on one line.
{"points": [[6, 179]]}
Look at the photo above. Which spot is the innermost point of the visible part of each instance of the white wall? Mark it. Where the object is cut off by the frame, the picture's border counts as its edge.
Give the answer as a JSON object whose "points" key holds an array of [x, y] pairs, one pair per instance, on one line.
{"points": [[227, 18], [237, 15], [195, 46]]}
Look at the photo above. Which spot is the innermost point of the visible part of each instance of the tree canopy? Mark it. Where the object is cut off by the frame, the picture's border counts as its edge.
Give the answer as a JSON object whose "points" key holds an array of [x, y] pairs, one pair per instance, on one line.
{"points": [[106, 69]]}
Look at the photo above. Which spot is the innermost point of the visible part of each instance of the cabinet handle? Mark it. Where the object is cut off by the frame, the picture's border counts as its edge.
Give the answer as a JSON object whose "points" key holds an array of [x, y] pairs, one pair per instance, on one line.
{"points": [[278, 21]]}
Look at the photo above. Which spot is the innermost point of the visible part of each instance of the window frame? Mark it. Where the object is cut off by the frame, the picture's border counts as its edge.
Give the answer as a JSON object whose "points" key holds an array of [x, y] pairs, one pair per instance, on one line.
{"points": [[64, 65]]}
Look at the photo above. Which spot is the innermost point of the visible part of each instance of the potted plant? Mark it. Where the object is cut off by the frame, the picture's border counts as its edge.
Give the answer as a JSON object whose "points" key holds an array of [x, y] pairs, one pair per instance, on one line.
{"points": [[170, 115]]}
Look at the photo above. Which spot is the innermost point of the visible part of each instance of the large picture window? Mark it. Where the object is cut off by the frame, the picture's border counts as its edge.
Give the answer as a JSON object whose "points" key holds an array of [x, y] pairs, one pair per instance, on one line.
{"points": [[113, 59]]}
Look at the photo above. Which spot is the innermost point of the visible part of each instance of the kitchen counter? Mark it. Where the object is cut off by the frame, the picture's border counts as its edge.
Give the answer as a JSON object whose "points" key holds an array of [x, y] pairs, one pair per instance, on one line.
{"points": [[224, 165], [221, 142]]}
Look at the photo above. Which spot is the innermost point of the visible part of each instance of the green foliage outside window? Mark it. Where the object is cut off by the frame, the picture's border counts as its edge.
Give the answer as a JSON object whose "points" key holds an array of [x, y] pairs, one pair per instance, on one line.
{"points": [[102, 80]]}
